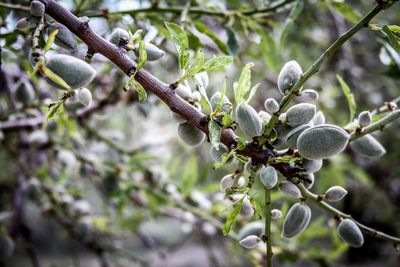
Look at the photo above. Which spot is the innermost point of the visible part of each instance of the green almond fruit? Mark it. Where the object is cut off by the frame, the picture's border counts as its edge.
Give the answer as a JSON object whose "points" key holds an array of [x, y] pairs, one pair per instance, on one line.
{"points": [[319, 118], [203, 78], [322, 141], [364, 118], [37, 8], [253, 228], [226, 104], [311, 178], [335, 193], [189, 134], [309, 95], [250, 241], [183, 92], [271, 105], [120, 37], [265, 116], [75, 72], [24, 93], [296, 220], [64, 38], [293, 135], [249, 121], [22, 23], [368, 146], [290, 189], [350, 233], [217, 153], [268, 177], [289, 75], [85, 96], [153, 52], [300, 114], [311, 166]]}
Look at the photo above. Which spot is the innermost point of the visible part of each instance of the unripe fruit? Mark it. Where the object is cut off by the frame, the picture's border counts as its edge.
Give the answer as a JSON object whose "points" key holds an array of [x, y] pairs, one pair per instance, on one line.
{"points": [[80, 207], [268, 177], [38, 138], [24, 93], [153, 52], [335, 193], [368, 146], [22, 23], [190, 134], [196, 96], [32, 189], [271, 105], [246, 209], [75, 72], [311, 178], [264, 116], [276, 214], [253, 228], [178, 118], [296, 221], [37, 8], [289, 75], [290, 189], [293, 135], [311, 166], [6, 247], [217, 153], [319, 118], [248, 120], [322, 141], [64, 37], [119, 37], [300, 114], [85, 96], [226, 182], [203, 78], [364, 118], [250, 241], [226, 104], [183, 92], [350, 233], [309, 95]]}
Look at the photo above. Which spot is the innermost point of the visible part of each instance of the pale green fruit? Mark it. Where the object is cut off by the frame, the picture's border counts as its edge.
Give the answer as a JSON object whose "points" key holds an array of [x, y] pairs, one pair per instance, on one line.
{"points": [[64, 38], [178, 118], [24, 93], [268, 177], [226, 104], [335, 193], [196, 96], [22, 23], [226, 182], [282, 131], [189, 134], [350, 233], [311, 178], [293, 135], [183, 92], [120, 37], [319, 118], [153, 52], [368, 146], [249, 121], [250, 241], [276, 214], [32, 189], [85, 96], [217, 153], [364, 118], [296, 221], [290, 189], [300, 114], [80, 208], [311, 166], [247, 209], [38, 138], [322, 141], [37, 8], [264, 116], [289, 75], [75, 72], [271, 105], [253, 228], [309, 95], [6, 247], [203, 78]]}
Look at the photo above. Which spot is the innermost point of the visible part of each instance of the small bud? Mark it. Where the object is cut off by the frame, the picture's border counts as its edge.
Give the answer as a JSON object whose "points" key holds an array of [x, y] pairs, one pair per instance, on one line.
{"points": [[196, 96], [364, 118], [22, 23], [289, 75], [248, 120], [120, 37], [276, 214], [319, 118], [293, 135], [252, 228], [300, 114], [24, 93], [268, 177], [7, 247], [37, 8], [183, 92], [350, 233], [153, 52], [335, 193], [264, 116], [226, 104], [271, 105], [246, 209], [322, 141], [85, 96], [309, 95], [290, 189], [189, 134], [217, 153], [368, 146], [64, 38], [203, 78], [226, 182], [296, 221], [250, 241]]}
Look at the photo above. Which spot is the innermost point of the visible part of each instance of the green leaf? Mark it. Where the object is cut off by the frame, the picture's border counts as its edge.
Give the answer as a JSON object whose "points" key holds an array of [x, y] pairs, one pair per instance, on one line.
{"points": [[54, 77], [243, 85], [53, 109], [196, 67], [349, 96], [142, 57], [224, 159], [289, 22], [269, 51], [189, 176], [233, 45], [226, 120], [139, 88], [392, 38], [203, 92], [204, 29], [216, 62], [253, 91], [181, 42], [214, 133], [50, 40], [221, 100], [348, 12], [232, 216]]}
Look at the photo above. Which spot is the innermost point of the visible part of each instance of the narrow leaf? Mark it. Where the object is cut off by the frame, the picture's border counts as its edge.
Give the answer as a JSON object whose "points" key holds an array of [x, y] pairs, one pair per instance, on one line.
{"points": [[204, 29], [232, 216], [346, 11], [214, 133], [55, 78], [349, 96], [217, 62], [142, 57], [269, 51], [253, 91], [289, 23], [141, 92], [221, 100], [392, 38], [50, 40], [243, 85], [196, 66], [233, 44], [189, 176]]}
